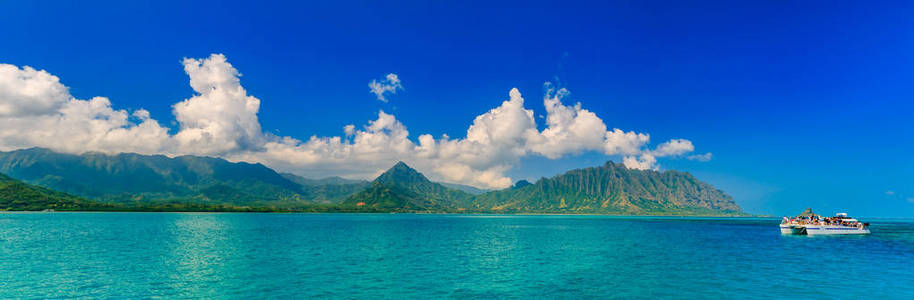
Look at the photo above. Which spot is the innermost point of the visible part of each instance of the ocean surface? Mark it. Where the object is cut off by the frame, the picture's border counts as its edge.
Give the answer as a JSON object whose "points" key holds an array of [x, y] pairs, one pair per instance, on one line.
{"points": [[251, 255]]}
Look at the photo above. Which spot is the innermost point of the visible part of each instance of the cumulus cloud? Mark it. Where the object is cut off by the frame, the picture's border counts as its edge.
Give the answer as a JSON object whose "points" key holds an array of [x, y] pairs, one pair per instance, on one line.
{"points": [[673, 147], [29, 92], [37, 110], [570, 129], [390, 84], [627, 143], [645, 161], [220, 119]]}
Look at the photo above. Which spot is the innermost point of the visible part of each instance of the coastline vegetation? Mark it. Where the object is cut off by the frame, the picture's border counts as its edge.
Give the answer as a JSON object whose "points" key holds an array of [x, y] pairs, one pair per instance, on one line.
{"points": [[40, 179]]}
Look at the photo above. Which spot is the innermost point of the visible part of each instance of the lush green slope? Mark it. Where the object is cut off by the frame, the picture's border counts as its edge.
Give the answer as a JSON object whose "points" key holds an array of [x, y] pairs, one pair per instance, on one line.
{"points": [[466, 188], [131, 177], [402, 188], [327, 190], [17, 195], [135, 179], [611, 188]]}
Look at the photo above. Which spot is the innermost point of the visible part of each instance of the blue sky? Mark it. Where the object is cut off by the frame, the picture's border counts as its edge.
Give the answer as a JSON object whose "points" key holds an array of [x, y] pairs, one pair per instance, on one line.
{"points": [[805, 103]]}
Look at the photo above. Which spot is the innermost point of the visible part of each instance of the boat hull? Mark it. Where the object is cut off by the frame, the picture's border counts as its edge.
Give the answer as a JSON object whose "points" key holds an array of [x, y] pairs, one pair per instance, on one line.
{"points": [[822, 230], [785, 229], [835, 230]]}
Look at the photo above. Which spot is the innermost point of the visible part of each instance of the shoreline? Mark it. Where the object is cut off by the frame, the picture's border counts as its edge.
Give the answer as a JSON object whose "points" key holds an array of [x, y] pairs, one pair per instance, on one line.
{"points": [[387, 213]]}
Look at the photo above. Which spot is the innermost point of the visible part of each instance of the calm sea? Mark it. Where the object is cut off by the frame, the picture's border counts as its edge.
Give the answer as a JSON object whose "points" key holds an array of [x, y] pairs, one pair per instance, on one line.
{"points": [[217, 255]]}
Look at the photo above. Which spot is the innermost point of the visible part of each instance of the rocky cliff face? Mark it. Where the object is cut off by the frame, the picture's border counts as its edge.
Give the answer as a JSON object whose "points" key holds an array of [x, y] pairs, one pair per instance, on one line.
{"points": [[612, 188]]}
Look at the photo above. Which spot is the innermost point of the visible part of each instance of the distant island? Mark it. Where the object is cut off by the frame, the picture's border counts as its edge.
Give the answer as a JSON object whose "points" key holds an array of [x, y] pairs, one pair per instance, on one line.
{"points": [[41, 179]]}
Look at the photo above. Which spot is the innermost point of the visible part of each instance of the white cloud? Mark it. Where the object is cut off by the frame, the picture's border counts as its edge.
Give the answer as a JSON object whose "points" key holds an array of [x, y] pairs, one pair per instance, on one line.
{"points": [[390, 84], [570, 129], [701, 157], [647, 159], [220, 119], [674, 147], [627, 143], [644, 162], [29, 92], [37, 110], [495, 141]]}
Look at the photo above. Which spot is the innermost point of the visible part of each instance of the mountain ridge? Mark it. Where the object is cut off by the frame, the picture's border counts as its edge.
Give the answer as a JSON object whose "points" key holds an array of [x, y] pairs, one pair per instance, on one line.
{"points": [[611, 188], [130, 177], [134, 180]]}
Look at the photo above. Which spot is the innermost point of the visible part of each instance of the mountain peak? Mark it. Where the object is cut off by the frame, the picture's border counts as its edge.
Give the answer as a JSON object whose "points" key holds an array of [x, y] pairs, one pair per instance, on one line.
{"points": [[401, 165], [401, 173], [610, 164], [521, 183], [404, 188]]}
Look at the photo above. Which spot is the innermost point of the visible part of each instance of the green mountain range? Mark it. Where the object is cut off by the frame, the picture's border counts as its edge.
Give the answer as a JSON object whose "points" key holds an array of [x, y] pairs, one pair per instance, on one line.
{"points": [[17, 195], [609, 189], [135, 178], [155, 182]]}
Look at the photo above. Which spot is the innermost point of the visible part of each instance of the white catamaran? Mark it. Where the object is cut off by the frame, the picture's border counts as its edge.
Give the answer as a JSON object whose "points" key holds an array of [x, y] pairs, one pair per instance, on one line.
{"points": [[809, 223]]}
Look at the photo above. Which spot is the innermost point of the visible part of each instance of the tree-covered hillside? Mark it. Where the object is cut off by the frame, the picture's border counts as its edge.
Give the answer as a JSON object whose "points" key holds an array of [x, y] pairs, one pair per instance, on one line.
{"points": [[611, 188], [143, 182], [402, 188], [327, 190], [17, 195], [135, 178]]}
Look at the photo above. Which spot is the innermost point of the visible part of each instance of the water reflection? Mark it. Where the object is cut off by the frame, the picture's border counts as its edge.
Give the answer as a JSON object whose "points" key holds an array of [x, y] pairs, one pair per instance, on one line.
{"points": [[202, 252]]}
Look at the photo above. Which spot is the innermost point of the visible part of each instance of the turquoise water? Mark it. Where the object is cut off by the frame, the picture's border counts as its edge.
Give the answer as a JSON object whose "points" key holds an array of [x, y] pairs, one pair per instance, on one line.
{"points": [[420, 256]]}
